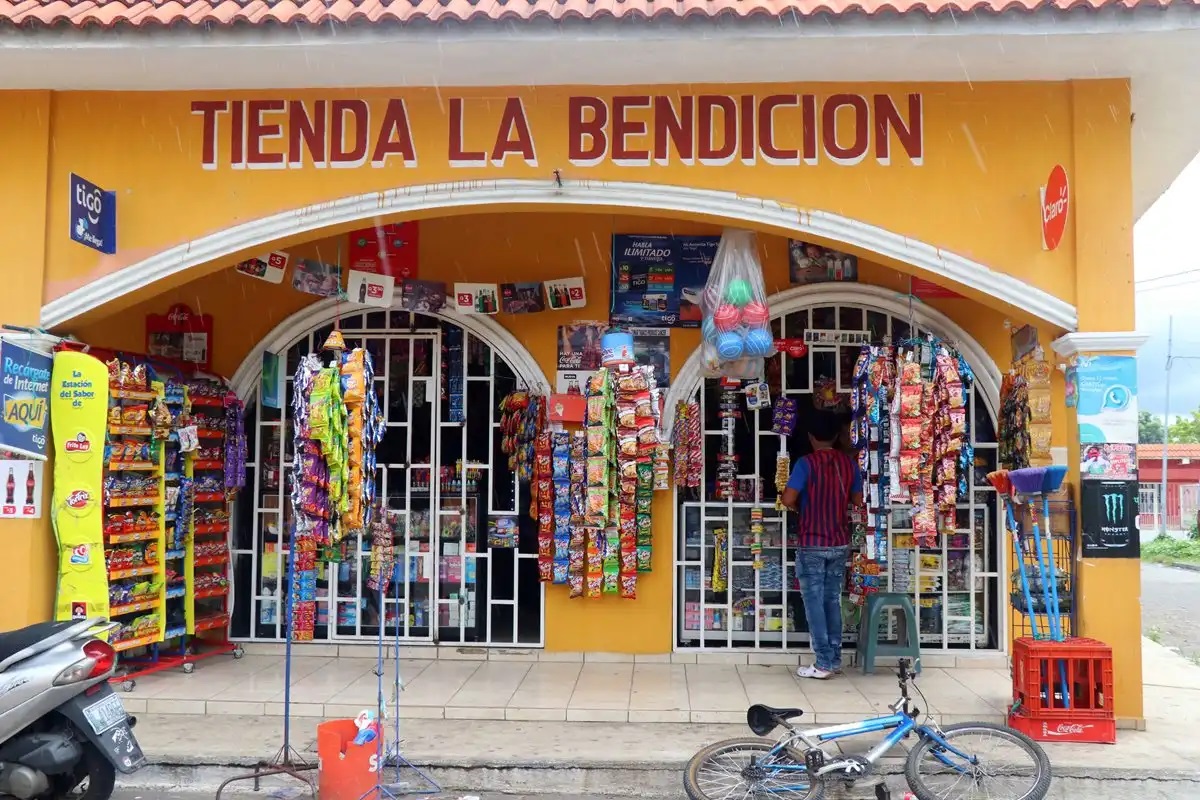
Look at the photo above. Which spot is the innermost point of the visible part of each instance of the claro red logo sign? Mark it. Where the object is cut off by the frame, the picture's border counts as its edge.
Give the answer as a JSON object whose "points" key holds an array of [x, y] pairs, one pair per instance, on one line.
{"points": [[80, 444], [1056, 203]]}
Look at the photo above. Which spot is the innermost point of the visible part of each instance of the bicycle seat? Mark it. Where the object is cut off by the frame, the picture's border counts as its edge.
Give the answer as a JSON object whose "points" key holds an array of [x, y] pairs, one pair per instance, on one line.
{"points": [[764, 719]]}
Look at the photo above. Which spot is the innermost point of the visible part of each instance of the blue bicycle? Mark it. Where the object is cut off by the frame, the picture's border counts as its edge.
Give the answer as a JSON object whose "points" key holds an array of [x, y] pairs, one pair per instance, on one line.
{"points": [[957, 762]]}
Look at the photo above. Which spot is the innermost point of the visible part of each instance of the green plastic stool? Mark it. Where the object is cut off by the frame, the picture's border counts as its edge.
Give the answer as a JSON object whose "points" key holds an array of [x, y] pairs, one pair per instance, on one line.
{"points": [[869, 646]]}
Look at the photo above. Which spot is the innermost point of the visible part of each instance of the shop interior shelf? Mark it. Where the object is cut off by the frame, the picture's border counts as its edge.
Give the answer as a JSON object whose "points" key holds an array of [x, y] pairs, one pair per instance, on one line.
{"points": [[130, 608], [204, 400], [141, 641], [210, 433], [211, 622], [175, 633], [133, 502], [207, 465], [133, 536], [176, 591], [174, 554], [132, 466], [133, 394], [211, 561], [132, 572], [129, 430], [219, 591], [214, 527], [210, 497]]}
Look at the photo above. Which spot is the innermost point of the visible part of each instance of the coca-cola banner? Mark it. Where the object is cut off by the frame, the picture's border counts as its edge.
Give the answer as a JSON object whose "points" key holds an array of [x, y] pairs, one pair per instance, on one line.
{"points": [[22, 489]]}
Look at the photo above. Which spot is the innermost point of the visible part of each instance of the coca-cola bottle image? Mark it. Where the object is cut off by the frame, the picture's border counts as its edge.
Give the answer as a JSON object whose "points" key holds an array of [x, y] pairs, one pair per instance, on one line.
{"points": [[10, 488], [30, 486]]}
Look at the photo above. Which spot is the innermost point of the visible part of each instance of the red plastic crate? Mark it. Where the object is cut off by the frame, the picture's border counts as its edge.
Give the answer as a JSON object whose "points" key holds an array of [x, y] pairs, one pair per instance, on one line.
{"points": [[1062, 726], [1038, 669]]}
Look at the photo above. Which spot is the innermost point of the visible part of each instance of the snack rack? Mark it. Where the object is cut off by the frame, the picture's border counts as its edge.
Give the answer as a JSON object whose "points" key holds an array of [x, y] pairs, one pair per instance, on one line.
{"points": [[207, 564], [134, 528]]}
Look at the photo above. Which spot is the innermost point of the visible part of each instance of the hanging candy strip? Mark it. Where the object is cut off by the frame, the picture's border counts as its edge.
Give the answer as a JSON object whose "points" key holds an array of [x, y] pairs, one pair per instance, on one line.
{"points": [[306, 497], [543, 506], [235, 443]]}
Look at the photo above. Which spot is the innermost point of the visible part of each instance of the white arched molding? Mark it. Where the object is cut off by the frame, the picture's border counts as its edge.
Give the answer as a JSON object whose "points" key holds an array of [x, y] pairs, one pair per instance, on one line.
{"points": [[987, 375], [261, 234], [287, 333]]}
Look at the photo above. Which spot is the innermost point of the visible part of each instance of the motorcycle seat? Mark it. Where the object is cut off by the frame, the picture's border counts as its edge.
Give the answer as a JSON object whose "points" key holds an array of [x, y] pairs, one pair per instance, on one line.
{"points": [[13, 642]]}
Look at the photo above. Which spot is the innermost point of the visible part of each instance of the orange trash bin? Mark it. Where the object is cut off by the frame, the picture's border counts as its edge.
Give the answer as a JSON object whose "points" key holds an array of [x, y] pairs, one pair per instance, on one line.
{"points": [[345, 770]]}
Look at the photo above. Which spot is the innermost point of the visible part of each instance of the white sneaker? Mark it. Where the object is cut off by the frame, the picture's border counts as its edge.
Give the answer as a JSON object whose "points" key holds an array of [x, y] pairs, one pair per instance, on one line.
{"points": [[812, 671]]}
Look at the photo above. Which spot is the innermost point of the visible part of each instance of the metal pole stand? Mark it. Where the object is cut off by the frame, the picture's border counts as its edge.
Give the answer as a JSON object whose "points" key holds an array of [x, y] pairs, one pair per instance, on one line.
{"points": [[423, 784], [286, 761]]}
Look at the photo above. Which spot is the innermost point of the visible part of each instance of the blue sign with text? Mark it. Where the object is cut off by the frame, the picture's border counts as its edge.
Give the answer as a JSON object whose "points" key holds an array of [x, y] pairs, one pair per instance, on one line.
{"points": [[93, 215], [25, 380]]}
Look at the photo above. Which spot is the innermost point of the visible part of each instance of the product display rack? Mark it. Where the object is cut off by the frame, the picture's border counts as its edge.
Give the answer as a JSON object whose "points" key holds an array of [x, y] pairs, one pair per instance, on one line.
{"points": [[958, 593], [206, 566], [134, 521], [185, 612]]}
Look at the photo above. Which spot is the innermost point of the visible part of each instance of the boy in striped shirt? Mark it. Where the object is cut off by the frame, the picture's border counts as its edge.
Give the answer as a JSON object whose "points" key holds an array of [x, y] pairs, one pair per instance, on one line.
{"points": [[821, 489]]}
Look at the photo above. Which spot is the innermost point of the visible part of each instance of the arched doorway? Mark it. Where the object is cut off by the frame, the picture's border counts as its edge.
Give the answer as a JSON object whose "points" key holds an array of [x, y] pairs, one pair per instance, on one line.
{"points": [[441, 471], [959, 588]]}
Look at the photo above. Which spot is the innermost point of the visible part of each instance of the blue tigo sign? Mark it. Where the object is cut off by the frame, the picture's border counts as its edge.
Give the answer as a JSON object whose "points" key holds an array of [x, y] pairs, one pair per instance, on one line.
{"points": [[25, 380], [93, 215]]}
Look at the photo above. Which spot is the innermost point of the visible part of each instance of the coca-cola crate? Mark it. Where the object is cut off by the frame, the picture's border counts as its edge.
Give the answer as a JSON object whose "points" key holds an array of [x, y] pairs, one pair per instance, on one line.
{"points": [[1063, 726], [1074, 677]]}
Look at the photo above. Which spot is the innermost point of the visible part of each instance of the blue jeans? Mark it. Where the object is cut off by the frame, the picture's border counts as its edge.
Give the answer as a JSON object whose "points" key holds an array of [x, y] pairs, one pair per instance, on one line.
{"points": [[822, 573]]}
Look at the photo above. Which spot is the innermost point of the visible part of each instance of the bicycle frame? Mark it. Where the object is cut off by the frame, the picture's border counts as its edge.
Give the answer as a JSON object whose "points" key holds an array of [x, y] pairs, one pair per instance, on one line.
{"points": [[900, 725]]}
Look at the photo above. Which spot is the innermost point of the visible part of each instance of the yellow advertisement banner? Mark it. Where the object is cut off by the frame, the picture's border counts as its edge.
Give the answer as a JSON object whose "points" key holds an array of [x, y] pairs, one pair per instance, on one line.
{"points": [[78, 421]]}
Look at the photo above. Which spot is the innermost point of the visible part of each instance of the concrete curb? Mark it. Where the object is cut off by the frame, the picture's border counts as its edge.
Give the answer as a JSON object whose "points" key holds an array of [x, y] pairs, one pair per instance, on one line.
{"points": [[1184, 565], [643, 779]]}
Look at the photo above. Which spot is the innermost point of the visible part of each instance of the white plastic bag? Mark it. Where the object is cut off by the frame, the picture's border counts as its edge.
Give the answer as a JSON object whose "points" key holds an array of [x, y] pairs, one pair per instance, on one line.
{"points": [[736, 322]]}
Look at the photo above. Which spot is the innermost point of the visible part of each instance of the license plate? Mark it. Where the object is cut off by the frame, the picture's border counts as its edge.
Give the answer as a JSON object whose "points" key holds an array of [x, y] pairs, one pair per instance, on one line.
{"points": [[105, 714]]}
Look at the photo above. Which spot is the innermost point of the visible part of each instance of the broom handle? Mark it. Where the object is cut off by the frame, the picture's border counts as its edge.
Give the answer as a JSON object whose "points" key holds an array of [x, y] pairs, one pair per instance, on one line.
{"points": [[1041, 559], [1012, 526], [1057, 618], [1056, 630]]}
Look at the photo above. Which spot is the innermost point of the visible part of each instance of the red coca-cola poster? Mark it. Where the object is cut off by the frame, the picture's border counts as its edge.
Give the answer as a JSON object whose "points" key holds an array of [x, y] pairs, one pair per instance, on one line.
{"points": [[181, 336], [389, 249]]}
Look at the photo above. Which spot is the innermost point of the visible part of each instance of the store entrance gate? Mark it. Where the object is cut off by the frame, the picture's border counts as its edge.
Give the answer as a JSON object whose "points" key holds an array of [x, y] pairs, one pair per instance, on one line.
{"points": [[958, 588], [442, 475]]}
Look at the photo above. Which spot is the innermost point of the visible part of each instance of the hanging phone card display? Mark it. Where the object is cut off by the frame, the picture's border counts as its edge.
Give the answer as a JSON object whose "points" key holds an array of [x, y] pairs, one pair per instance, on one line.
{"points": [[338, 425]]}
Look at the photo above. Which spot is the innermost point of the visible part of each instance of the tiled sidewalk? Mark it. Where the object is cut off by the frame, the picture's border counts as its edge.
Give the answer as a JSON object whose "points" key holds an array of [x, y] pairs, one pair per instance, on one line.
{"points": [[532, 686]]}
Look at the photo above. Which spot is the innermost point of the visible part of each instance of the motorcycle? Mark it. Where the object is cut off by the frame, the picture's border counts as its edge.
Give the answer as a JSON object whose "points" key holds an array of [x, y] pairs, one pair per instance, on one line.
{"points": [[63, 732]]}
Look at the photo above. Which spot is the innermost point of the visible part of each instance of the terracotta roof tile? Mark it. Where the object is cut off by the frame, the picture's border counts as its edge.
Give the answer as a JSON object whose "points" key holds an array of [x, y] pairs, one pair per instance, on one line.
{"points": [[1174, 451], [185, 13]]}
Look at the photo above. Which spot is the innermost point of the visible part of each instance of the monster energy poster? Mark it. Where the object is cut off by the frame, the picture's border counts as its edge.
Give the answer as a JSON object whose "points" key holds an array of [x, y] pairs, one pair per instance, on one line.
{"points": [[1110, 519]]}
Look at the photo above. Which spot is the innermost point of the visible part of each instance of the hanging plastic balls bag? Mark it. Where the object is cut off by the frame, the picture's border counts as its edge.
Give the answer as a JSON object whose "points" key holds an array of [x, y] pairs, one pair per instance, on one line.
{"points": [[736, 321]]}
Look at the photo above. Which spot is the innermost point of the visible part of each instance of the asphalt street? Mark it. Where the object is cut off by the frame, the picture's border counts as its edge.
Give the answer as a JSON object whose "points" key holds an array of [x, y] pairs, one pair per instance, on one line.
{"points": [[1171, 608]]}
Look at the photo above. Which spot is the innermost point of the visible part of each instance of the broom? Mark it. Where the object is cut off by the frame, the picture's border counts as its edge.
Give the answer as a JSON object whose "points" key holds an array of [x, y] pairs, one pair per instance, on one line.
{"points": [[1000, 481], [1030, 482]]}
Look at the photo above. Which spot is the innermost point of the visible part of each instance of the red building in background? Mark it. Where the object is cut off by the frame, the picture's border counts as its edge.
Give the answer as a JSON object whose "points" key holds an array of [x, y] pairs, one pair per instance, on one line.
{"points": [[1183, 484]]}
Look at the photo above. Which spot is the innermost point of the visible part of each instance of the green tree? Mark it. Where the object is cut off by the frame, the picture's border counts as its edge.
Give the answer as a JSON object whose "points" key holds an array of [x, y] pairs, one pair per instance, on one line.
{"points": [[1150, 428], [1186, 430]]}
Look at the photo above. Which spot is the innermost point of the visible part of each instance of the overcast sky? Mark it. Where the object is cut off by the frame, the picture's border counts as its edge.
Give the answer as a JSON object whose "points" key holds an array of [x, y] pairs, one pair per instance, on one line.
{"points": [[1164, 245]]}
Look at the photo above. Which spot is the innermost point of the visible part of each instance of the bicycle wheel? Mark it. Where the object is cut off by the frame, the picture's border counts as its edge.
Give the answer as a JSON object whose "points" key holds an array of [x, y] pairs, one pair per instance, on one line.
{"points": [[1002, 764], [741, 768]]}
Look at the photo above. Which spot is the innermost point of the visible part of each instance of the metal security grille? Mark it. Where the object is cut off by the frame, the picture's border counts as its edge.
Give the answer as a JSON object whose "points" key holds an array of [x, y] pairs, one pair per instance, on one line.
{"points": [[440, 471], [957, 588]]}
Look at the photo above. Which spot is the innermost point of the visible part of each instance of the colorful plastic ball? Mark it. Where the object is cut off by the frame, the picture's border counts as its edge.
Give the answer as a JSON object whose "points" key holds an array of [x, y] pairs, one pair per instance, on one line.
{"points": [[756, 313], [708, 329], [758, 342], [726, 317], [739, 292], [729, 345], [711, 297]]}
